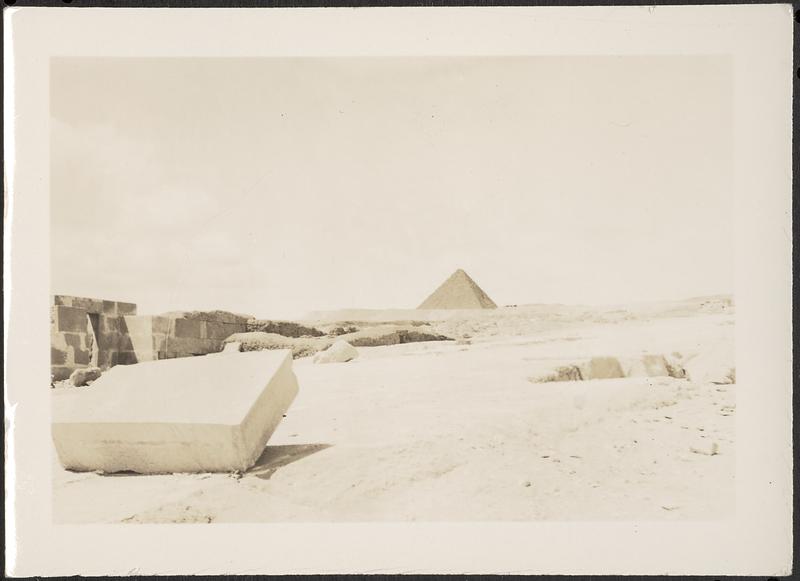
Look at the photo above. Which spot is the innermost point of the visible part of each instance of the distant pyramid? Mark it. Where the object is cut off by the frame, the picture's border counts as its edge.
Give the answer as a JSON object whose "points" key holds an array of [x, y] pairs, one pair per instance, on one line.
{"points": [[458, 292]]}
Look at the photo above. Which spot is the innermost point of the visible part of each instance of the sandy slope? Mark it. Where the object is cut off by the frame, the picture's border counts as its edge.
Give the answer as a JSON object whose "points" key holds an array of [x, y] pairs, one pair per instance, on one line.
{"points": [[445, 431]]}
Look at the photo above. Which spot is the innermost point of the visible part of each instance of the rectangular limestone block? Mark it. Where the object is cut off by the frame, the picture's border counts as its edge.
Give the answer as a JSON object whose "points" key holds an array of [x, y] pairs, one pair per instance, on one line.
{"points": [[88, 304], [140, 336], [188, 328], [81, 356], [126, 309], [62, 300], [185, 347], [57, 356], [161, 325], [71, 319], [200, 414]]}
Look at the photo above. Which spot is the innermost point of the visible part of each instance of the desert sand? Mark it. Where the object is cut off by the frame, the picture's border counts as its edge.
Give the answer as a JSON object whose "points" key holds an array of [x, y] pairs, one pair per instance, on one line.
{"points": [[463, 430]]}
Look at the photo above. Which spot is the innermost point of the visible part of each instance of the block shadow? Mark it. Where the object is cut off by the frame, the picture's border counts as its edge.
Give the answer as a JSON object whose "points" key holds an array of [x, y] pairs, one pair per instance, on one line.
{"points": [[276, 457]]}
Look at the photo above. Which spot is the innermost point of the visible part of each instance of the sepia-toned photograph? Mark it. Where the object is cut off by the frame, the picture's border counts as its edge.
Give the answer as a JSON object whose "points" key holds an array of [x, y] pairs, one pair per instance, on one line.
{"points": [[392, 289], [476, 290]]}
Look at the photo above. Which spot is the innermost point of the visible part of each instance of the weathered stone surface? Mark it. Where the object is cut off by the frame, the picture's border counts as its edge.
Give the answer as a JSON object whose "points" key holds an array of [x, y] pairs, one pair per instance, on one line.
{"points": [[217, 316], [339, 352], [81, 356], [62, 300], [126, 309], [188, 328], [71, 319], [649, 366], [563, 373], [57, 356], [603, 368], [127, 358], [84, 376], [300, 347], [234, 347], [219, 330], [202, 414], [142, 339], [285, 328], [60, 372], [161, 324]]}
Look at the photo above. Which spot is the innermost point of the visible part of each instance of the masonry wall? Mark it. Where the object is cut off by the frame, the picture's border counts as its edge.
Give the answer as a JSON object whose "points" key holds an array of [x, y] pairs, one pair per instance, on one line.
{"points": [[181, 335], [93, 332], [87, 332]]}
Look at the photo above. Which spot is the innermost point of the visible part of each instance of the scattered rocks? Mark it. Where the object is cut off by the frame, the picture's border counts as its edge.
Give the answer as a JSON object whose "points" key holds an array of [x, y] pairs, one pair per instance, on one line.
{"points": [[339, 352], [391, 335], [284, 328], [300, 346], [84, 376]]}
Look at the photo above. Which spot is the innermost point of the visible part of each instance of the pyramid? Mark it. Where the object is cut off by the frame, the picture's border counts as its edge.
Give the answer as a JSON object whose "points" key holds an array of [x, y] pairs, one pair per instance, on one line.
{"points": [[458, 292]]}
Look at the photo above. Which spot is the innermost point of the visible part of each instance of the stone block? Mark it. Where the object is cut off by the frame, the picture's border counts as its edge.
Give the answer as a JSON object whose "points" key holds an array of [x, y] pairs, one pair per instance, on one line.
{"points": [[71, 319], [108, 341], [110, 308], [126, 309], [107, 358], [75, 340], [60, 372], [159, 343], [161, 325], [127, 358], [58, 341], [603, 368], [84, 376], [81, 356], [339, 352], [62, 300], [57, 356], [109, 324], [649, 366], [89, 305], [201, 414], [189, 328], [233, 347], [184, 347]]}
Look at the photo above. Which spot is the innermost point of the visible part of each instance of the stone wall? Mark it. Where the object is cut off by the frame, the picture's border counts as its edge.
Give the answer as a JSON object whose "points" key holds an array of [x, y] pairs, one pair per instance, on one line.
{"points": [[181, 334], [93, 332], [87, 332]]}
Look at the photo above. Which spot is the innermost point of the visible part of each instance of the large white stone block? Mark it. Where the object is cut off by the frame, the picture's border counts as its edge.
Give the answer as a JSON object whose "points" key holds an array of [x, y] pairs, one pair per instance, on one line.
{"points": [[198, 414]]}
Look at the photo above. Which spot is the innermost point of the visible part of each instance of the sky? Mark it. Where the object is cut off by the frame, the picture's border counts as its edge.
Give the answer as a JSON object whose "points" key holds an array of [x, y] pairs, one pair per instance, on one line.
{"points": [[279, 186]]}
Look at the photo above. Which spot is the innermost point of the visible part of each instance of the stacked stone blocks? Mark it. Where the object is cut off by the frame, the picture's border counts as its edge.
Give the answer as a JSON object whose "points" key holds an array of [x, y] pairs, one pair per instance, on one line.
{"points": [[87, 332], [94, 332]]}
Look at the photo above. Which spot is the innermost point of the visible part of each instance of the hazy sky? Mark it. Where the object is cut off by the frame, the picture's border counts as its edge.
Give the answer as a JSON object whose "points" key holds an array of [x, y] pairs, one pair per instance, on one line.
{"points": [[279, 186]]}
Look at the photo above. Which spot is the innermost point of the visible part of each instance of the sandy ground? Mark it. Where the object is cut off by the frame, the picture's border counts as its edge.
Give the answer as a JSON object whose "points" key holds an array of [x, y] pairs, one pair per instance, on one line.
{"points": [[447, 431]]}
